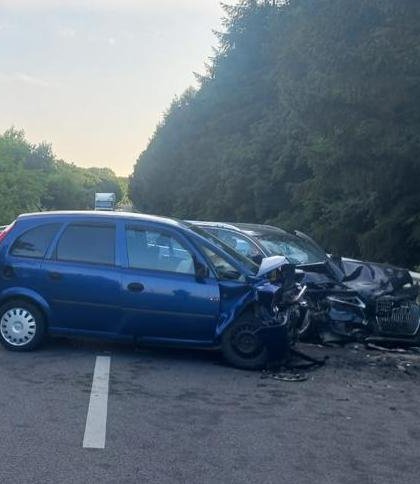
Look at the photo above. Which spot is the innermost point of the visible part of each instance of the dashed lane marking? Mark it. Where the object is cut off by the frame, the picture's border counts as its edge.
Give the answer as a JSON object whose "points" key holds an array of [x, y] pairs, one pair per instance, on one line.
{"points": [[95, 430]]}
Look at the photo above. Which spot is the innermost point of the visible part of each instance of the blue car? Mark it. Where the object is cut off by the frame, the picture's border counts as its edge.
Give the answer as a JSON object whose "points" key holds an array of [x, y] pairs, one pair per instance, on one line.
{"points": [[144, 278]]}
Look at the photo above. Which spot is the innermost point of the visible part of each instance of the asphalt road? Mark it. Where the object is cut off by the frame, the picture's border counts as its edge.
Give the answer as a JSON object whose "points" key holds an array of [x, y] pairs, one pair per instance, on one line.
{"points": [[183, 417]]}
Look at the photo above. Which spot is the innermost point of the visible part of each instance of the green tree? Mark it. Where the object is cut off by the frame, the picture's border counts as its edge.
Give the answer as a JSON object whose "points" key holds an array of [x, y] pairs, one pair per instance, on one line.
{"points": [[307, 117], [20, 190], [32, 179]]}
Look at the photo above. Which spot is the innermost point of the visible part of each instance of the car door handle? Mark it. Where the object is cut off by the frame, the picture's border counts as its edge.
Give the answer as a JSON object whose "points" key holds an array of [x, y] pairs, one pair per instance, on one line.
{"points": [[135, 287], [55, 276]]}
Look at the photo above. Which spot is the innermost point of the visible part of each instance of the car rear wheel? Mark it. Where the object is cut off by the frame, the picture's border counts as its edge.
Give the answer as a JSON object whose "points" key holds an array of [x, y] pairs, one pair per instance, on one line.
{"points": [[242, 346], [22, 326]]}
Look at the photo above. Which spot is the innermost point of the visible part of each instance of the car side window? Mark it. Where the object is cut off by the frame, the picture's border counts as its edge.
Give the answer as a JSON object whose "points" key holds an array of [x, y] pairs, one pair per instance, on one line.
{"points": [[35, 242], [236, 241], [159, 251], [224, 269], [94, 244]]}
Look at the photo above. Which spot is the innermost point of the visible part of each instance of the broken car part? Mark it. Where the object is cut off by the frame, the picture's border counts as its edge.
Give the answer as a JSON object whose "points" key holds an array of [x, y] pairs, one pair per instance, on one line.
{"points": [[346, 299]]}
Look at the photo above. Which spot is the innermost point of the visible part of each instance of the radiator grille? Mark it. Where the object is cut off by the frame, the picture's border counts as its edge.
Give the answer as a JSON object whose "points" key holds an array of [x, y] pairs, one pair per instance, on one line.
{"points": [[397, 320]]}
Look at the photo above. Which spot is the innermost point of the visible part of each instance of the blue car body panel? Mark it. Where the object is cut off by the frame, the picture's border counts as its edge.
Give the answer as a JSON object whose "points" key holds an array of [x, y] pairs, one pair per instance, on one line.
{"points": [[234, 299], [172, 306], [80, 298], [85, 297]]}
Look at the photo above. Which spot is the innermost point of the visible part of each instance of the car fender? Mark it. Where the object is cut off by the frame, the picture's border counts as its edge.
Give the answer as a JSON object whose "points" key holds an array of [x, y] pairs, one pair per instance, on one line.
{"points": [[26, 293], [234, 300]]}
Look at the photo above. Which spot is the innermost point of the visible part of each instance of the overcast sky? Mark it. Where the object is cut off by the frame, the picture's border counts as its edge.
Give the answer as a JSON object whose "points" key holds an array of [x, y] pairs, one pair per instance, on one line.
{"points": [[94, 77]]}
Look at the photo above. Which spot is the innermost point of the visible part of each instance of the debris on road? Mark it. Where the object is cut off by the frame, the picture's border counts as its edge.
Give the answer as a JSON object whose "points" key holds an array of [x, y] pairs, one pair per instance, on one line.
{"points": [[383, 348], [290, 370], [406, 360], [284, 376]]}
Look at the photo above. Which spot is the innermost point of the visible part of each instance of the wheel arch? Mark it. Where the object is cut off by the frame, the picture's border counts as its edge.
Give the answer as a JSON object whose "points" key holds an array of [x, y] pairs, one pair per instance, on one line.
{"points": [[29, 296], [251, 307]]}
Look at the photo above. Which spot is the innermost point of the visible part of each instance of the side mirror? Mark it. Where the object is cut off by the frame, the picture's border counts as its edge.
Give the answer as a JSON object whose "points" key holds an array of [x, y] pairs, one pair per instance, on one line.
{"points": [[201, 271]]}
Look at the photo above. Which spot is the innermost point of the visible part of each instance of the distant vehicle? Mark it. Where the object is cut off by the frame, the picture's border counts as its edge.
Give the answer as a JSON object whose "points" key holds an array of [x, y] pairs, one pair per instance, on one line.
{"points": [[105, 201], [150, 279], [348, 299]]}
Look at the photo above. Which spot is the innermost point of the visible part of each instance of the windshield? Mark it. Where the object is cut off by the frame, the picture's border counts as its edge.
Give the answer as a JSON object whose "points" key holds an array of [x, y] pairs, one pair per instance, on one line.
{"points": [[296, 250], [241, 259]]}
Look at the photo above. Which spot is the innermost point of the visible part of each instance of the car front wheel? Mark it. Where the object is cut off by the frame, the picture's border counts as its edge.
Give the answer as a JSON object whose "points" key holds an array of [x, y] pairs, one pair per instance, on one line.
{"points": [[22, 325], [242, 346]]}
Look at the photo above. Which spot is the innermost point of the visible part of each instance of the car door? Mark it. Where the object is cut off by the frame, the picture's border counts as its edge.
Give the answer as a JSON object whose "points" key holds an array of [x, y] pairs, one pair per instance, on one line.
{"points": [[161, 296], [82, 281]]}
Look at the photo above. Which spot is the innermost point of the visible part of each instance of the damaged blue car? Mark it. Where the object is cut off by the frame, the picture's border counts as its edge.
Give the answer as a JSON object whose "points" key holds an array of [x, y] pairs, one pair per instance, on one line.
{"points": [[149, 279]]}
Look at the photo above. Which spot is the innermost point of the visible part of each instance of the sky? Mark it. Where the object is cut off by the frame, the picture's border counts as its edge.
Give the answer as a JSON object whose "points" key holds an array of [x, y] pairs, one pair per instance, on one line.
{"points": [[93, 77]]}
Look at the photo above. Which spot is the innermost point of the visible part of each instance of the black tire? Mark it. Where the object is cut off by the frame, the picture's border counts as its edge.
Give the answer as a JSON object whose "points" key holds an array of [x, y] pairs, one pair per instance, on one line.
{"points": [[242, 347], [29, 317]]}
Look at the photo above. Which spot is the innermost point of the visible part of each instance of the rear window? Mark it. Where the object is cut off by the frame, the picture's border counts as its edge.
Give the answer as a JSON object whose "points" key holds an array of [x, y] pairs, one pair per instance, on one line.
{"points": [[94, 244], [35, 242]]}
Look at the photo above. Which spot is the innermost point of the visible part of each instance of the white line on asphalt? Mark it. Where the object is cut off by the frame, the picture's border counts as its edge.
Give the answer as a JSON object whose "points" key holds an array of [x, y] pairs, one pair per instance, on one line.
{"points": [[95, 430]]}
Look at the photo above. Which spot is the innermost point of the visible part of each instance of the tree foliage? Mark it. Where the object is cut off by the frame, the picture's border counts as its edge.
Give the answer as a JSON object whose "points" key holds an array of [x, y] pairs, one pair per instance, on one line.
{"points": [[32, 179], [308, 117]]}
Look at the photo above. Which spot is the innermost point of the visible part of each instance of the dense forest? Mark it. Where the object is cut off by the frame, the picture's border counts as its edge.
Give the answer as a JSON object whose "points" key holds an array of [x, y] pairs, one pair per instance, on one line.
{"points": [[32, 179], [308, 117]]}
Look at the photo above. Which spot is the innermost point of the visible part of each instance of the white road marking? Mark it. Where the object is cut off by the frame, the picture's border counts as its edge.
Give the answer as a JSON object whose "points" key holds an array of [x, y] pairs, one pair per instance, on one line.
{"points": [[95, 430]]}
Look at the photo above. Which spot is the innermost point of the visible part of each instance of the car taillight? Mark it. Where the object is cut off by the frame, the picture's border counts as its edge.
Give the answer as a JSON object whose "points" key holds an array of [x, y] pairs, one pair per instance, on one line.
{"points": [[4, 232]]}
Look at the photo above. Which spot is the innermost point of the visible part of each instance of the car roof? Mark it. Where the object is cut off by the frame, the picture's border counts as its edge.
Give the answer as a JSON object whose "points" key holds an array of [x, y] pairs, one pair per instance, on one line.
{"points": [[251, 229], [259, 228], [203, 223], [102, 215]]}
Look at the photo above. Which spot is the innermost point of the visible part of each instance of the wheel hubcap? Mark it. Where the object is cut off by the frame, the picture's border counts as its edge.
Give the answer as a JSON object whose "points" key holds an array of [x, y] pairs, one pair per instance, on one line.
{"points": [[18, 326], [246, 342]]}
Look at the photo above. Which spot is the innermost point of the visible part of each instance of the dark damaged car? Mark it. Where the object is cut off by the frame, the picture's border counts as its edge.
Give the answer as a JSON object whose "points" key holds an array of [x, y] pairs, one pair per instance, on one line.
{"points": [[347, 299], [149, 279]]}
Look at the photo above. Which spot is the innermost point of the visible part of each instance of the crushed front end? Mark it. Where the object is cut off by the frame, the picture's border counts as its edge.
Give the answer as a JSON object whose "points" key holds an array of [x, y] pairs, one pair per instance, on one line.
{"points": [[264, 313], [281, 308], [366, 302]]}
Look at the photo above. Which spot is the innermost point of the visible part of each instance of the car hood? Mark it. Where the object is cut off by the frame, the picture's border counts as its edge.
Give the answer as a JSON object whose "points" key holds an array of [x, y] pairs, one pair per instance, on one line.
{"points": [[380, 276], [368, 279]]}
